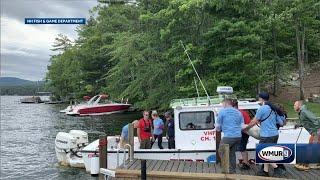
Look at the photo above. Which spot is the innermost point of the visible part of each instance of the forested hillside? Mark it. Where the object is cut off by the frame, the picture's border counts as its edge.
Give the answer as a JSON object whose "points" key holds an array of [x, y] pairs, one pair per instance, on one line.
{"points": [[134, 50], [17, 86]]}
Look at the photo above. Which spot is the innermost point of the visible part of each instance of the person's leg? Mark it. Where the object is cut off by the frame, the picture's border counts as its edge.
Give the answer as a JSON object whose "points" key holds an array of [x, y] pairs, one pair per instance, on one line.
{"points": [[174, 143], [154, 140], [148, 144], [264, 167], [143, 144], [160, 141], [170, 143], [244, 154], [233, 143]]}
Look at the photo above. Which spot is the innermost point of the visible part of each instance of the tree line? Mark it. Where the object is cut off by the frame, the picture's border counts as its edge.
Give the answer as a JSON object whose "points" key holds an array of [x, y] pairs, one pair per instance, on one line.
{"points": [[133, 50]]}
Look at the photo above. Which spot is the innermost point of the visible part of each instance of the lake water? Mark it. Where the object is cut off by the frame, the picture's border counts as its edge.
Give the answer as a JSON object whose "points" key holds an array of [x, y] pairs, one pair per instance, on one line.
{"points": [[28, 132]]}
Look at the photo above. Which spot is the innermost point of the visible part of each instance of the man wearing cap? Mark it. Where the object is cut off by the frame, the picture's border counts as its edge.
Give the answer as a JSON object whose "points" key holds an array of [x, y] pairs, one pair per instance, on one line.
{"points": [[170, 130], [268, 120], [230, 122]]}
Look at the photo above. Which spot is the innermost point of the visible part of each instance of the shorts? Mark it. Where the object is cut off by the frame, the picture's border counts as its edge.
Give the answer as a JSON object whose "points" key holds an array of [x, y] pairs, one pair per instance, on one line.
{"points": [[266, 140], [145, 144], [243, 143]]}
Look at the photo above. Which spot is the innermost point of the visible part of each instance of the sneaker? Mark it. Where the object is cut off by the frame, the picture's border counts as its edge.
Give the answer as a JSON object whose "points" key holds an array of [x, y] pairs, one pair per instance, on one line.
{"points": [[262, 173], [279, 171], [317, 166], [244, 166], [303, 167]]}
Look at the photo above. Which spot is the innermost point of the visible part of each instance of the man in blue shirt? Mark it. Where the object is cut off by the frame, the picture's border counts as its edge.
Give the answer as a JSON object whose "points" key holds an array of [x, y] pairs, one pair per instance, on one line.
{"points": [[124, 139], [268, 120], [230, 122], [158, 127]]}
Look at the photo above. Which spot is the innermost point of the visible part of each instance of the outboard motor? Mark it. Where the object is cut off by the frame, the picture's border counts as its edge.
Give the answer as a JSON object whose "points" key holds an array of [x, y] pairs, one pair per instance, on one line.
{"points": [[65, 143], [82, 137], [68, 145]]}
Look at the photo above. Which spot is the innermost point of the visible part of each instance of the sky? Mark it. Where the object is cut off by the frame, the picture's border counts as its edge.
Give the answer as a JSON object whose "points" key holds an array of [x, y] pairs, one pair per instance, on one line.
{"points": [[25, 48]]}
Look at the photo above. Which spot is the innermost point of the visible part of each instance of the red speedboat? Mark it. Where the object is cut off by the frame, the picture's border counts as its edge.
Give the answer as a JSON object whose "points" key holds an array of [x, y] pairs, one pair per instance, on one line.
{"points": [[98, 105]]}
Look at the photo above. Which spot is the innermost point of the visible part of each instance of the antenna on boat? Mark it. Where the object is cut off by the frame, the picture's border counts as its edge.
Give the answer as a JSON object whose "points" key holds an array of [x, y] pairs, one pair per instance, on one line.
{"points": [[195, 83], [185, 50]]}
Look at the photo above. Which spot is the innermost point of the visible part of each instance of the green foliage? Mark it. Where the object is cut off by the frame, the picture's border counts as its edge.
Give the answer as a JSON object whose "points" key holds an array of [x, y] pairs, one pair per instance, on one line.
{"points": [[134, 51], [23, 90]]}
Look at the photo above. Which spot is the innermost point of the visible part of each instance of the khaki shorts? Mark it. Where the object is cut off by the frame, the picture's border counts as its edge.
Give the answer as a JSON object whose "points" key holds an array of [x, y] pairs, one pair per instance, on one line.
{"points": [[145, 144]]}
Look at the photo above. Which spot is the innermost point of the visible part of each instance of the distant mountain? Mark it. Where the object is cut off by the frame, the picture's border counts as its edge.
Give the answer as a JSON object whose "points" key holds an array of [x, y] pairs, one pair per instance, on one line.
{"points": [[13, 81]]}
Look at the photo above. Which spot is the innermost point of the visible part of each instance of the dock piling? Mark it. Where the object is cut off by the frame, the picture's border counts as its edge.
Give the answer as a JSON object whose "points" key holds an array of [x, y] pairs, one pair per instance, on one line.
{"points": [[224, 158], [218, 139], [103, 151], [131, 140], [143, 169]]}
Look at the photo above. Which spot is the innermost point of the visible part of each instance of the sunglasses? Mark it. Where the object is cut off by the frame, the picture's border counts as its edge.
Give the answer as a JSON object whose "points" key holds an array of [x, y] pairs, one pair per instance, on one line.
{"points": [[146, 115]]}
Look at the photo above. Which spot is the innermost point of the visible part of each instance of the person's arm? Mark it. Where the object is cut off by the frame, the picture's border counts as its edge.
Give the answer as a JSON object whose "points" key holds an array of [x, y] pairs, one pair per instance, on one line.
{"points": [[241, 120], [219, 122], [138, 133], [280, 120], [300, 120], [255, 120]]}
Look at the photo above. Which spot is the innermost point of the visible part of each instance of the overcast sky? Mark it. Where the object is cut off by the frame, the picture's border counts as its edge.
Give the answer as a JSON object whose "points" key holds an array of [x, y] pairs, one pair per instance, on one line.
{"points": [[25, 48]]}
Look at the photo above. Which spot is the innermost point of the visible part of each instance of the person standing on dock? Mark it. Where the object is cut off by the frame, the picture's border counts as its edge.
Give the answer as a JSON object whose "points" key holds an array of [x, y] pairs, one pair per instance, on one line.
{"points": [[170, 130], [158, 126], [244, 138], [144, 130], [124, 138], [310, 122], [268, 120], [230, 122]]}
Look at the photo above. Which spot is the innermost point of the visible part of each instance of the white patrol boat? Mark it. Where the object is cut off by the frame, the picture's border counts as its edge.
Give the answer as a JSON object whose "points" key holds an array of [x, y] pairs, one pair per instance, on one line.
{"points": [[195, 140]]}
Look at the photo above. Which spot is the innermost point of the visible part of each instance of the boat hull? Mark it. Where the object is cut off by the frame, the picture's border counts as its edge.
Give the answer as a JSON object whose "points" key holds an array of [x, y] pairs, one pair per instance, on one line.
{"points": [[99, 110]]}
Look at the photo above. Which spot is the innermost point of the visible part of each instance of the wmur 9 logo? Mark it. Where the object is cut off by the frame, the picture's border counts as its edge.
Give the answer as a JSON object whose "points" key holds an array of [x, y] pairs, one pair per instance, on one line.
{"points": [[275, 153]]}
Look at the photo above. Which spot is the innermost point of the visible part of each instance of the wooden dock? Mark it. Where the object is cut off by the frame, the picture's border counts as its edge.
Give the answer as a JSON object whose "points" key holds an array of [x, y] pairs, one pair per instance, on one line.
{"points": [[159, 169]]}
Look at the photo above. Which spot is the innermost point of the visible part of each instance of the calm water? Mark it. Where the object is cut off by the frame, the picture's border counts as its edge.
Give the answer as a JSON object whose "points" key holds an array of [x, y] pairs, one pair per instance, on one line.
{"points": [[27, 138]]}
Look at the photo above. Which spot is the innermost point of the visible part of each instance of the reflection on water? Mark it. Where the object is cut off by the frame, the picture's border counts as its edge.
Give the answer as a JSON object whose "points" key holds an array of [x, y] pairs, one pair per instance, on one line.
{"points": [[28, 132]]}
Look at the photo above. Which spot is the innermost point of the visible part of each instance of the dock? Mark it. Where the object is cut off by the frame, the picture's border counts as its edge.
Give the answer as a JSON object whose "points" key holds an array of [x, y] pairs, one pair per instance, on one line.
{"points": [[175, 169]]}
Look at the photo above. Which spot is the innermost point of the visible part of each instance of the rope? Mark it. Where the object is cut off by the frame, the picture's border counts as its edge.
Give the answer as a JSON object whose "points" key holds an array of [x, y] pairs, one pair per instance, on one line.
{"points": [[299, 135]]}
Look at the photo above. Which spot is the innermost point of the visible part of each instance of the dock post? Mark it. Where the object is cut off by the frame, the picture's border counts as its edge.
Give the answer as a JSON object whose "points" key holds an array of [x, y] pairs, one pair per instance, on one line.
{"points": [[131, 140], [143, 169], [225, 158], [218, 139], [103, 141]]}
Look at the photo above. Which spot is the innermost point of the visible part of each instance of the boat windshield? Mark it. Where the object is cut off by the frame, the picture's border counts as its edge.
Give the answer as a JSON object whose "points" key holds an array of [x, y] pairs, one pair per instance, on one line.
{"points": [[196, 120], [105, 101]]}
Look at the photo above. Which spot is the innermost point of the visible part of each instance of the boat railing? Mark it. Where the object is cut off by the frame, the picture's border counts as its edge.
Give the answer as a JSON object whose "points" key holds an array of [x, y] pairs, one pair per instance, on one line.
{"points": [[196, 101], [204, 101], [124, 151]]}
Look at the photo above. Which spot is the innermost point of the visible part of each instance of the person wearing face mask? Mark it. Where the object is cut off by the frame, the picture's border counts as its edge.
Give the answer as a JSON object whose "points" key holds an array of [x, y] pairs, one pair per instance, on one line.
{"points": [[268, 120]]}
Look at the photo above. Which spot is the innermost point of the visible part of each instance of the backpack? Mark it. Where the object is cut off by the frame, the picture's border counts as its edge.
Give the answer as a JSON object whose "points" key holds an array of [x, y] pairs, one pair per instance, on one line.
{"points": [[278, 109]]}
